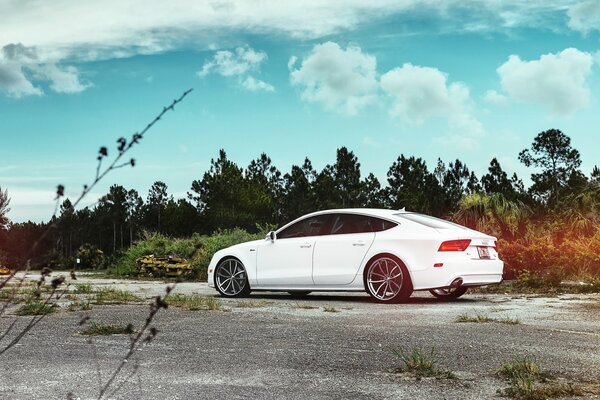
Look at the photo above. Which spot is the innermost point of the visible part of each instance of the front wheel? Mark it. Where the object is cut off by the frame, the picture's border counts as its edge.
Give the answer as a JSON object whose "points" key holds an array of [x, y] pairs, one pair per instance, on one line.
{"points": [[448, 293], [387, 280], [231, 279]]}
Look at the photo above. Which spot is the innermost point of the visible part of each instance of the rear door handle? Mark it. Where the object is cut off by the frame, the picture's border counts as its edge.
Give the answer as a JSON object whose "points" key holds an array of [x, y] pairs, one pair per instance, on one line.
{"points": [[359, 243], [305, 245]]}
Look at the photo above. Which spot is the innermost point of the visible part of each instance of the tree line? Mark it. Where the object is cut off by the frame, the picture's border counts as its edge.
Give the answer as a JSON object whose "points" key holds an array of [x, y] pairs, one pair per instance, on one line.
{"points": [[261, 196]]}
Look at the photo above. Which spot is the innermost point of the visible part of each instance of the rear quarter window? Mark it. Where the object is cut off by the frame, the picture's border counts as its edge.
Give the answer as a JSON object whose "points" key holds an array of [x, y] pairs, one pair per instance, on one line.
{"points": [[379, 225]]}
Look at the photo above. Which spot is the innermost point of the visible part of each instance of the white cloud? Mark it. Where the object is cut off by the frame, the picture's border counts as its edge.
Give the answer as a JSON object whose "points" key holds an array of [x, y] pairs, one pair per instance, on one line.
{"points": [[63, 31], [63, 80], [254, 85], [422, 92], [13, 59], [227, 63], [111, 27], [238, 64], [20, 67], [292, 62], [585, 16], [341, 80], [493, 97], [465, 132], [557, 81]]}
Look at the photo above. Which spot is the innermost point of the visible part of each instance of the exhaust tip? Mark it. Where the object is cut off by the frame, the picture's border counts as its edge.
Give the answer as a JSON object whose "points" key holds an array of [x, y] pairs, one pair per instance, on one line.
{"points": [[456, 283]]}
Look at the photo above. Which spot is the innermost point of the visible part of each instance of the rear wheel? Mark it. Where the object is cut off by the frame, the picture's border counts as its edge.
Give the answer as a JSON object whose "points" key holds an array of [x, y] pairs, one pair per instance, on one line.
{"points": [[299, 293], [231, 279], [448, 293], [387, 280]]}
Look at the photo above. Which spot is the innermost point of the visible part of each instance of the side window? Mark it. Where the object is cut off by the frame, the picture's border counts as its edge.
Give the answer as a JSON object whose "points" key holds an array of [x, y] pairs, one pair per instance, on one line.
{"points": [[350, 223], [312, 226], [379, 225]]}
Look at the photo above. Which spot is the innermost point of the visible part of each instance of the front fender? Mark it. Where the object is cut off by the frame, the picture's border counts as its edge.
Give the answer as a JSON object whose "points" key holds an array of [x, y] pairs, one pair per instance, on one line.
{"points": [[247, 255]]}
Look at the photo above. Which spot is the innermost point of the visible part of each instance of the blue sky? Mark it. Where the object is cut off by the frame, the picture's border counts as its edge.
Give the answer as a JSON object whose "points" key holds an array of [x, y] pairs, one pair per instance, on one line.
{"points": [[456, 79]]}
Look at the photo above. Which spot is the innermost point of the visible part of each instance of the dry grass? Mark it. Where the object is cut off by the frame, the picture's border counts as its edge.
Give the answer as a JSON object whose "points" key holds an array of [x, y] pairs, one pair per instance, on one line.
{"points": [[253, 303], [304, 306], [482, 318], [99, 328], [114, 296], [420, 365], [36, 308], [529, 382], [195, 302]]}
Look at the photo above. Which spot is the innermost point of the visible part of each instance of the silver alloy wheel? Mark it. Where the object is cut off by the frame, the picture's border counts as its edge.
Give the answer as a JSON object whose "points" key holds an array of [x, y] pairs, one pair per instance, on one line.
{"points": [[231, 277], [385, 279]]}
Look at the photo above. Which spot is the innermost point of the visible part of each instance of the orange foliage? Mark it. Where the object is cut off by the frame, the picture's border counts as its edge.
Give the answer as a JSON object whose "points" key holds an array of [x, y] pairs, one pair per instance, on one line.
{"points": [[545, 251]]}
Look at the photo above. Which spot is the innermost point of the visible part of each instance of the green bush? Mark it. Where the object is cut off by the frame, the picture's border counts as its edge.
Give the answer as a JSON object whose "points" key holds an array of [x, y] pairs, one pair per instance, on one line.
{"points": [[90, 257], [198, 250]]}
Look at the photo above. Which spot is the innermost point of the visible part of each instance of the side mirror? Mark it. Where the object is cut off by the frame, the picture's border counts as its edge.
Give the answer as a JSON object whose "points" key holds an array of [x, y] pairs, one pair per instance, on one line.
{"points": [[271, 236]]}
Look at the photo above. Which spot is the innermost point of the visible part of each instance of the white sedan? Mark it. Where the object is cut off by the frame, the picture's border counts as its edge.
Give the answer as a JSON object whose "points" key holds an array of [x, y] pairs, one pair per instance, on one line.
{"points": [[387, 253]]}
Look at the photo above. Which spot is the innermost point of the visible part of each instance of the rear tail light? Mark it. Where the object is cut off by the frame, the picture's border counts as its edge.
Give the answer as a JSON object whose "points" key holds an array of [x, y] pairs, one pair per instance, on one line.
{"points": [[455, 245]]}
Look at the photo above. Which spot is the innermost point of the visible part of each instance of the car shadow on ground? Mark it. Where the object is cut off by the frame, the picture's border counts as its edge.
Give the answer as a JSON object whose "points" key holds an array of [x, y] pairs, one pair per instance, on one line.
{"points": [[355, 298]]}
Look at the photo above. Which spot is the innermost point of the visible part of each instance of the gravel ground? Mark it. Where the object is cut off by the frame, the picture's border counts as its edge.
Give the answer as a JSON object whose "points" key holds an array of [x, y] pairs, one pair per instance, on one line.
{"points": [[281, 350]]}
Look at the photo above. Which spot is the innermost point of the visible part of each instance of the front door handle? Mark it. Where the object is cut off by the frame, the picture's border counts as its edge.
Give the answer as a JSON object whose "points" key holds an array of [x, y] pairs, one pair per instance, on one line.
{"points": [[306, 245], [359, 243]]}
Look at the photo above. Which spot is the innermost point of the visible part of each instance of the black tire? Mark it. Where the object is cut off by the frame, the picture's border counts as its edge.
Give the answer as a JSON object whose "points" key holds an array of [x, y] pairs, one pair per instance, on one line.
{"points": [[448, 294], [231, 279], [391, 271], [299, 293]]}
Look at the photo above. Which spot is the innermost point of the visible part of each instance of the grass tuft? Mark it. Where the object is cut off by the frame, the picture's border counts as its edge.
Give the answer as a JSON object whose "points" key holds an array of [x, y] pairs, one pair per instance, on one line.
{"points": [[36, 308], [482, 319], [421, 365], [114, 296], [83, 288], [479, 318], [330, 309], [98, 328], [195, 302], [523, 374], [305, 306]]}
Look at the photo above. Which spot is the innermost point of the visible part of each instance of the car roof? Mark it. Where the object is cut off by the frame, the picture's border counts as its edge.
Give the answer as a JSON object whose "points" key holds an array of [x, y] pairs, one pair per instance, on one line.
{"points": [[375, 212]]}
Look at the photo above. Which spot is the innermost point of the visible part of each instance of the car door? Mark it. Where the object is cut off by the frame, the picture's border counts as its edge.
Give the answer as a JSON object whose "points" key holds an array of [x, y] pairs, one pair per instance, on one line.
{"points": [[287, 260], [338, 255]]}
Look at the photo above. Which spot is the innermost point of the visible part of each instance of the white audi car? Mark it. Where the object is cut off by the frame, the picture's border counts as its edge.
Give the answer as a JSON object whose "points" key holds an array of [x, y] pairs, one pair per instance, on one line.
{"points": [[387, 253]]}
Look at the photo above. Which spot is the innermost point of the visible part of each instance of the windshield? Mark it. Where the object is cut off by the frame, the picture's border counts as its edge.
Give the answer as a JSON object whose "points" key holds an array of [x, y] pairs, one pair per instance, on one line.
{"points": [[431, 222]]}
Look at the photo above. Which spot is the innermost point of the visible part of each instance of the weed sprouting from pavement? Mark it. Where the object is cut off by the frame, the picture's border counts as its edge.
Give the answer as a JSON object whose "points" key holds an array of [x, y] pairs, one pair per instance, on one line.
{"points": [[508, 321], [99, 328], [195, 302], [83, 288], [114, 296], [529, 382], [479, 318], [420, 364], [304, 306], [36, 308], [482, 318], [331, 309]]}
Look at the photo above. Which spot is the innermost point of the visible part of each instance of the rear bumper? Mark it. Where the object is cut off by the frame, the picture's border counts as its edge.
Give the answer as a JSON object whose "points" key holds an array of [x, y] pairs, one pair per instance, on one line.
{"points": [[472, 273]]}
